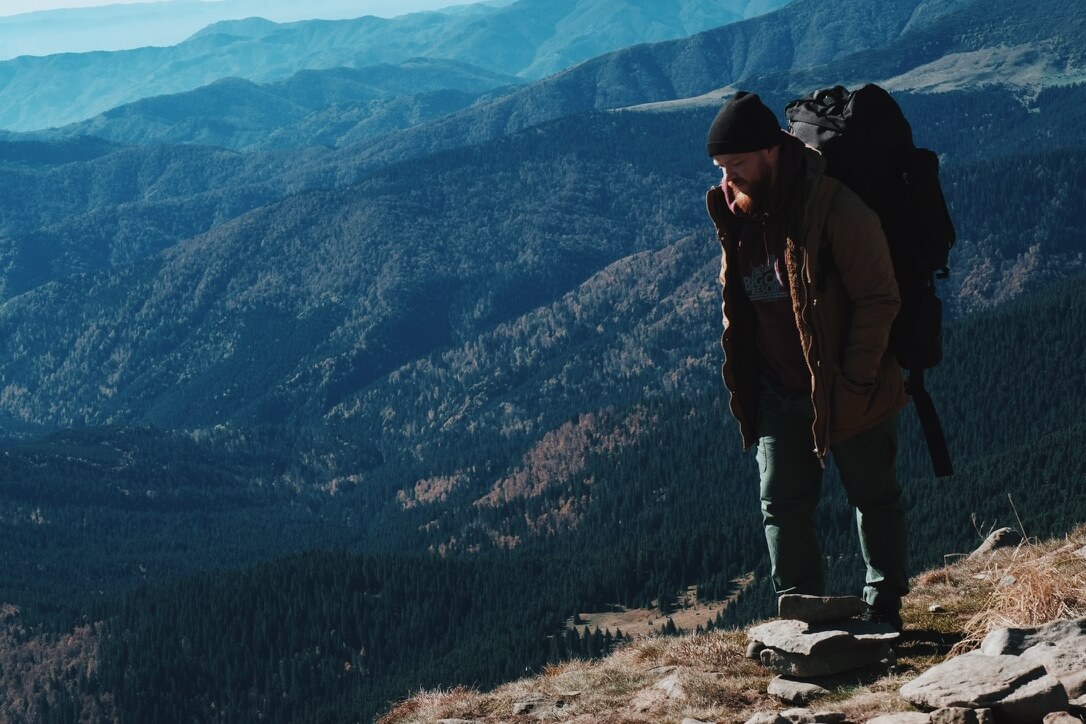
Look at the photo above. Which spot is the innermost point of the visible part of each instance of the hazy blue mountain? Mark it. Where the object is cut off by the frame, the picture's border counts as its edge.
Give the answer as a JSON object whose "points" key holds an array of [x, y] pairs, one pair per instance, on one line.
{"points": [[56, 219], [529, 38], [660, 73], [313, 107], [135, 25], [974, 44], [784, 54]]}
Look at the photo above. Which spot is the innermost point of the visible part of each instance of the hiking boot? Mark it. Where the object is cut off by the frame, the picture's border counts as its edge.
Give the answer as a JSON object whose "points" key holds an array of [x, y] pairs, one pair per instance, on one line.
{"points": [[882, 616]]}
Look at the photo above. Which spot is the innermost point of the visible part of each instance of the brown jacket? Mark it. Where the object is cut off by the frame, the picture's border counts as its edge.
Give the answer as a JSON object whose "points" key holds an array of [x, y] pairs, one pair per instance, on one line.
{"points": [[845, 298]]}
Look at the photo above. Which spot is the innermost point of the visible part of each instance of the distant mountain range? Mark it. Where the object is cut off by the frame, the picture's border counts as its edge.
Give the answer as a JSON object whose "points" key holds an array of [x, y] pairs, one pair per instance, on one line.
{"points": [[529, 38], [334, 107], [136, 25], [684, 72]]}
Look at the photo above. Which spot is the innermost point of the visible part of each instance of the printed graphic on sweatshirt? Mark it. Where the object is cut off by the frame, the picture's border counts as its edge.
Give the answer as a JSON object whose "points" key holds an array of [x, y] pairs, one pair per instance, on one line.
{"points": [[765, 283]]}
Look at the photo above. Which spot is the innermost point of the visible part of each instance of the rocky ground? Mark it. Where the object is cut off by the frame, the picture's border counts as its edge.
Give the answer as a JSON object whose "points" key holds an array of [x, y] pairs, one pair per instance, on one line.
{"points": [[997, 636]]}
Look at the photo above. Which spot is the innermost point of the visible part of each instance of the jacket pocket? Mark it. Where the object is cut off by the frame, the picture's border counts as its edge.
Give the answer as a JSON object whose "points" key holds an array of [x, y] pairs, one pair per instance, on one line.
{"points": [[851, 402]]}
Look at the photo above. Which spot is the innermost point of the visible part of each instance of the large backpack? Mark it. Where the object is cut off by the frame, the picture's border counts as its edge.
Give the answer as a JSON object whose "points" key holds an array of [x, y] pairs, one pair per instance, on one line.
{"points": [[868, 146]]}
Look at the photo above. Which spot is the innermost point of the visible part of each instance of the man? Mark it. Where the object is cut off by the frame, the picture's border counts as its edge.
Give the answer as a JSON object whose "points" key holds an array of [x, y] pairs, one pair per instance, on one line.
{"points": [[809, 295]]}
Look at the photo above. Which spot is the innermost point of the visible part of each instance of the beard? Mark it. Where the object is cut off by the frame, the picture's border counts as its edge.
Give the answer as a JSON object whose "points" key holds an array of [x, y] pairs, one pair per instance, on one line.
{"points": [[743, 201], [748, 201]]}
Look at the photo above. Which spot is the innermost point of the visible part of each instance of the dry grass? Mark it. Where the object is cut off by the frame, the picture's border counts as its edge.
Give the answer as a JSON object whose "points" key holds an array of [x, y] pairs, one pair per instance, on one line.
{"points": [[1029, 585], [707, 677]]}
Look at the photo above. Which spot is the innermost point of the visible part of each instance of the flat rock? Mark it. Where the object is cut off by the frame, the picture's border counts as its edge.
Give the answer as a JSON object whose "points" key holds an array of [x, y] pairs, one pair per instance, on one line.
{"points": [[794, 691], [1015, 641], [1032, 701], [860, 654], [797, 637], [767, 717], [1061, 717], [529, 703], [1074, 684], [961, 715], [819, 609], [694, 721], [1065, 660], [807, 639], [1015, 689], [901, 717]]}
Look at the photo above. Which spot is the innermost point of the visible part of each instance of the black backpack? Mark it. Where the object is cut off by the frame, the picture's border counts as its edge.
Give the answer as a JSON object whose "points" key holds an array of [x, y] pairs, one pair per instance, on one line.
{"points": [[868, 146]]}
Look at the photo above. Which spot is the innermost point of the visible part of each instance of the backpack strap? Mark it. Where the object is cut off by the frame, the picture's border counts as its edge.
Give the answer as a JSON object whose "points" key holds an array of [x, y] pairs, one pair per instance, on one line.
{"points": [[819, 204], [930, 424]]}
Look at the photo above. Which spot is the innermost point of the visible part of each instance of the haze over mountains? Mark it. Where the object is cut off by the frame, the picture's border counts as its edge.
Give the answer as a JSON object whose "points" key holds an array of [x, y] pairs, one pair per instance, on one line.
{"points": [[435, 305], [167, 22], [529, 38]]}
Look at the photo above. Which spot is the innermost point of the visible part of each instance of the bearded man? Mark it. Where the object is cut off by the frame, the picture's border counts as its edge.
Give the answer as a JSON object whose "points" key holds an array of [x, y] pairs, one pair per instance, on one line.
{"points": [[809, 295]]}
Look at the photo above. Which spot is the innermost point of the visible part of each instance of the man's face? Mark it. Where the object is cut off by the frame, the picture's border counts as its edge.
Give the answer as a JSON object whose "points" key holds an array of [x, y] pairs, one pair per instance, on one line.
{"points": [[748, 176]]}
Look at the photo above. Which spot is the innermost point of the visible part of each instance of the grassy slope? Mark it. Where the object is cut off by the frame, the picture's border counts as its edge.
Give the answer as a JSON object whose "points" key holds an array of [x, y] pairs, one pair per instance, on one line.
{"points": [[707, 677]]}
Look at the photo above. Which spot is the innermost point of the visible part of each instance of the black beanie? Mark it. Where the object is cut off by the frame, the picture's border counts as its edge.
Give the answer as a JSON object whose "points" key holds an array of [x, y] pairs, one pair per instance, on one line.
{"points": [[744, 124]]}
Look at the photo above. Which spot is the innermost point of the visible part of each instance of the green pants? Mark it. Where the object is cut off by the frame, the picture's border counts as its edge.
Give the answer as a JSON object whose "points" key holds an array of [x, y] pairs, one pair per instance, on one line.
{"points": [[791, 482]]}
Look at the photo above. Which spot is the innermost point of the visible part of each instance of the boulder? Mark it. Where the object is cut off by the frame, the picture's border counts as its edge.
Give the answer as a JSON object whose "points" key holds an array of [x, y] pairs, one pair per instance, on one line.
{"points": [[1061, 717], [767, 717], [1059, 646], [901, 717], [819, 609], [1065, 660], [794, 691], [859, 655], [799, 637], [1015, 641], [1015, 689], [1032, 701]]}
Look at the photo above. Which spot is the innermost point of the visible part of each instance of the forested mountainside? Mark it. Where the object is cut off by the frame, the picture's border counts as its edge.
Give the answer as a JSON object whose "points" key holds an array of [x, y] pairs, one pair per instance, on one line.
{"points": [[529, 38], [315, 302], [667, 504], [332, 107]]}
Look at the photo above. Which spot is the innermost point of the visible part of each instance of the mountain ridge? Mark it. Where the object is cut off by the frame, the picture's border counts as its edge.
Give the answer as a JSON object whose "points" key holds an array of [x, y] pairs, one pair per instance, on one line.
{"points": [[55, 90], [242, 115]]}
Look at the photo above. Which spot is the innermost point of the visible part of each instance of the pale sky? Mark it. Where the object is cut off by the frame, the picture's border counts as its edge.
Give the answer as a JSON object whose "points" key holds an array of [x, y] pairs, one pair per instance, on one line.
{"points": [[16, 7], [44, 27]]}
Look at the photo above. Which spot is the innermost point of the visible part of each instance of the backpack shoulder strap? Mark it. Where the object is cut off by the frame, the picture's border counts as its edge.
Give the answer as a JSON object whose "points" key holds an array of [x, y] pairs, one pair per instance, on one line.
{"points": [[818, 210]]}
